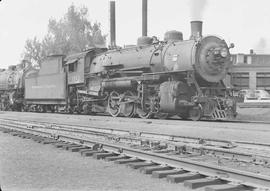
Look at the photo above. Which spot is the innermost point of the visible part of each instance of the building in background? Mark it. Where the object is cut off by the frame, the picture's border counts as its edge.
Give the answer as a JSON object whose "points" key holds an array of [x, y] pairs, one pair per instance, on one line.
{"points": [[250, 71]]}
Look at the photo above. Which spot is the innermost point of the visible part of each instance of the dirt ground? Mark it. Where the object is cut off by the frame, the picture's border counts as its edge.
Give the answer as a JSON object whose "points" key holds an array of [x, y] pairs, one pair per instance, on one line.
{"points": [[29, 166], [254, 114]]}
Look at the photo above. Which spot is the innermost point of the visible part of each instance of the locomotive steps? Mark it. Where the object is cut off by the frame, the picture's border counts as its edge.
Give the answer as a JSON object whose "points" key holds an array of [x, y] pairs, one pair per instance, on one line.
{"points": [[177, 170]]}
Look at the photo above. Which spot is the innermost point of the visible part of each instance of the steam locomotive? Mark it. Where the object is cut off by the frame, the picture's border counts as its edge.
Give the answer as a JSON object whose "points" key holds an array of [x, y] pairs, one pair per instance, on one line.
{"points": [[12, 86], [151, 79]]}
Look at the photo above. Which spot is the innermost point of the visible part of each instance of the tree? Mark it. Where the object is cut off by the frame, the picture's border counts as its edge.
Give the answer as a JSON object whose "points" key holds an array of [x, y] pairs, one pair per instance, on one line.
{"points": [[73, 33], [34, 51]]}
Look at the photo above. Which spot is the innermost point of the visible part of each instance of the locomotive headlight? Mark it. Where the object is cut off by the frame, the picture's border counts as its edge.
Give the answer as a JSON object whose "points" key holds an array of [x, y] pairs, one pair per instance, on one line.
{"points": [[224, 52]]}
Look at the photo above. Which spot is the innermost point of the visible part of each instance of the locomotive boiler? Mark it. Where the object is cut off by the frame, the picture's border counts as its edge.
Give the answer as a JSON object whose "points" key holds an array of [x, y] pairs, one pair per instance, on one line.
{"points": [[155, 78]]}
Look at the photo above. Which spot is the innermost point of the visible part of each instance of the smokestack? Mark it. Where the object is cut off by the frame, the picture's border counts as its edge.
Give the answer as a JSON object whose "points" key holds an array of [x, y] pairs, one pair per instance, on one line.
{"points": [[144, 17], [196, 29], [112, 23]]}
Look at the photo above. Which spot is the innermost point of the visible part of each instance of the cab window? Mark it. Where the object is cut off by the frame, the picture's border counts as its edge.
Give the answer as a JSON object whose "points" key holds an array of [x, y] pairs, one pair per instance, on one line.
{"points": [[73, 67]]}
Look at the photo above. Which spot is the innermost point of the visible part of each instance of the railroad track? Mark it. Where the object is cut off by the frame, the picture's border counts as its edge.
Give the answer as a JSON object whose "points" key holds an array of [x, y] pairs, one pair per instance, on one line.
{"points": [[207, 142], [174, 165], [258, 154]]}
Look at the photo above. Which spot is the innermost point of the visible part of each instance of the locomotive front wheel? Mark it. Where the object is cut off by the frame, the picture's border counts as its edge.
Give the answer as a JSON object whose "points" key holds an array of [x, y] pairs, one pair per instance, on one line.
{"points": [[114, 104], [195, 113], [144, 110], [144, 113]]}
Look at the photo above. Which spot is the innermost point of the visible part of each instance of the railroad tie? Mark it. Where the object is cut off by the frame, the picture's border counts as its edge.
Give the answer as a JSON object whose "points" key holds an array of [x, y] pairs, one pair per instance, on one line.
{"points": [[99, 152], [89, 153], [25, 136], [38, 140], [59, 144], [5, 131], [49, 141], [15, 133], [19, 135], [71, 145], [125, 161], [151, 169], [137, 165], [77, 148], [103, 155], [197, 183], [164, 173], [176, 178], [113, 158], [85, 150], [36, 137], [227, 187]]}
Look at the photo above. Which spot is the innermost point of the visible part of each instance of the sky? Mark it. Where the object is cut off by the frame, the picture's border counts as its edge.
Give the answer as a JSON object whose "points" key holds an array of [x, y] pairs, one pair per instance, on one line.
{"points": [[246, 23]]}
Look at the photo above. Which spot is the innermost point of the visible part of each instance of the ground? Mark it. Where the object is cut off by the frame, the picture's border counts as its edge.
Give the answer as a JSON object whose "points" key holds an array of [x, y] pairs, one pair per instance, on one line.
{"points": [[27, 165], [254, 114]]}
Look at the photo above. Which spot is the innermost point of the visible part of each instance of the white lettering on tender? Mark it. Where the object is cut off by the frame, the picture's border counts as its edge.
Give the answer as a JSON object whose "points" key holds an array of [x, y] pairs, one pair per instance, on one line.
{"points": [[44, 87]]}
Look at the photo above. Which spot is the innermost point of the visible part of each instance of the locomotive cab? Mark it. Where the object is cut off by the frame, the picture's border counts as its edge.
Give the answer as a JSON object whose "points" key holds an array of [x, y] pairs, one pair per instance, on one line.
{"points": [[78, 79]]}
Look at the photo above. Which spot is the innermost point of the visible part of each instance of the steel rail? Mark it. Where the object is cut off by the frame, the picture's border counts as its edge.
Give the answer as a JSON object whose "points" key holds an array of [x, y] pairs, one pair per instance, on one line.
{"points": [[247, 157]]}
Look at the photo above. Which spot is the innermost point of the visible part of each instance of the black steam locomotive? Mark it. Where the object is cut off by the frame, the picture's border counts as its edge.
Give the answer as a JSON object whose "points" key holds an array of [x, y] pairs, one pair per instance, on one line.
{"points": [[152, 79]]}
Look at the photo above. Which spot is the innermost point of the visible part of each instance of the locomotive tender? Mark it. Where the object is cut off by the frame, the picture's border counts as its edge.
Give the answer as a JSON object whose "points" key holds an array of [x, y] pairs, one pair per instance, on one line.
{"points": [[154, 78]]}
